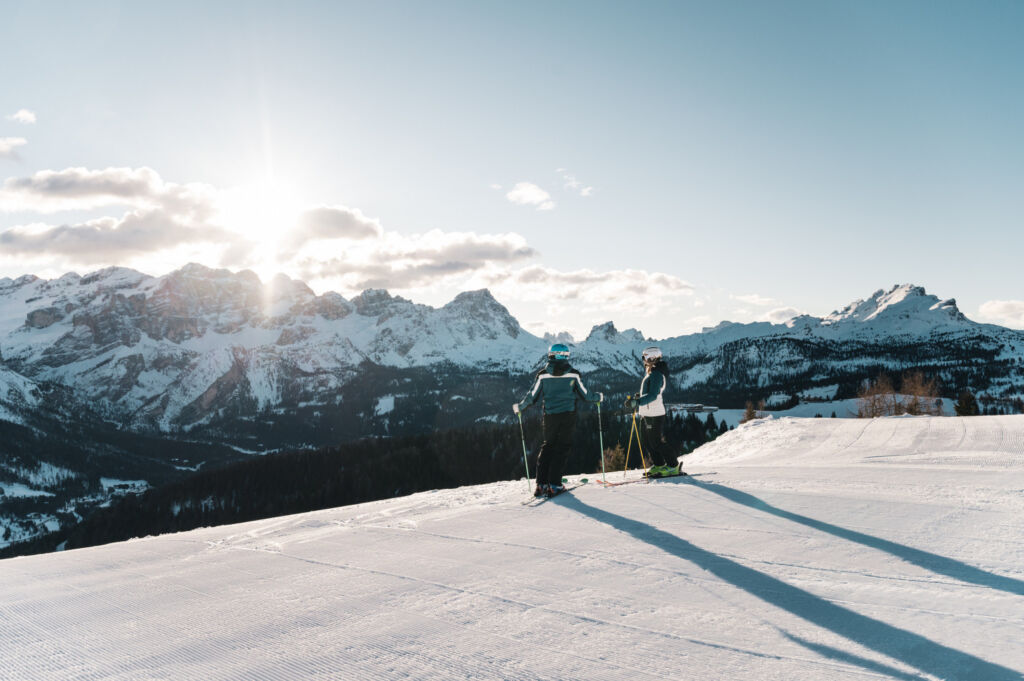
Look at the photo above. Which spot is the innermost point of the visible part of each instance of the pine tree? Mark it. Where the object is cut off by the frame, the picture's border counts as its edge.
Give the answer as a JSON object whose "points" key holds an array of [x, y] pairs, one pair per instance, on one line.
{"points": [[966, 404]]}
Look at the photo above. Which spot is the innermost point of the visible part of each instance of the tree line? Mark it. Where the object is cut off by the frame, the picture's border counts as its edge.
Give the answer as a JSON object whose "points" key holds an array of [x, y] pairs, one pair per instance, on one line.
{"points": [[366, 470]]}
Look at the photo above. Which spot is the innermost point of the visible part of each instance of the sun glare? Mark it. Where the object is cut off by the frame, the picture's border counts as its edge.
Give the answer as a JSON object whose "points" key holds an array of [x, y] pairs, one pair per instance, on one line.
{"points": [[263, 216]]}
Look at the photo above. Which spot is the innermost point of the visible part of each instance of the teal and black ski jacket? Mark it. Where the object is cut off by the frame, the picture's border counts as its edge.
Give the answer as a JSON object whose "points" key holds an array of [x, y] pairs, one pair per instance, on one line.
{"points": [[557, 386]]}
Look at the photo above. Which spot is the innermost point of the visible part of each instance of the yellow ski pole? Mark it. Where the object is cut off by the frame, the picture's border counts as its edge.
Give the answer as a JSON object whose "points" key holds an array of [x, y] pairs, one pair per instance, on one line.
{"points": [[639, 447]]}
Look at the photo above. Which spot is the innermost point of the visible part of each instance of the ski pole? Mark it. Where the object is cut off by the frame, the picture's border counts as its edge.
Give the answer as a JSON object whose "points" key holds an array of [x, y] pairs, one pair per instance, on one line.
{"points": [[633, 430], [526, 464], [600, 438], [639, 447], [629, 448]]}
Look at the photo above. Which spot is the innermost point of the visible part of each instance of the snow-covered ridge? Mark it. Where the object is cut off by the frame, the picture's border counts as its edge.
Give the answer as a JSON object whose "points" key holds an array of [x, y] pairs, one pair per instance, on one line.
{"points": [[798, 549], [160, 345], [175, 350]]}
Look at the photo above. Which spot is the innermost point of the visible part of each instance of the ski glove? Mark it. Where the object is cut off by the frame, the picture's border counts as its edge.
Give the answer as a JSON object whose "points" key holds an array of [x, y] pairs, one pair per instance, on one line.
{"points": [[515, 408], [631, 403]]}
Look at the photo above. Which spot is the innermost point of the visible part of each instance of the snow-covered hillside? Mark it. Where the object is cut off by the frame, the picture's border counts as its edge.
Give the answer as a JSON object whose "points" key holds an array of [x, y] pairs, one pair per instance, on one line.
{"points": [[17, 394], [799, 549]]}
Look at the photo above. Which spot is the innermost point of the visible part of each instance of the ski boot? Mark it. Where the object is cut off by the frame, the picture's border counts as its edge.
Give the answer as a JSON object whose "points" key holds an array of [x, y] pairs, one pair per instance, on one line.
{"points": [[542, 491], [554, 490]]}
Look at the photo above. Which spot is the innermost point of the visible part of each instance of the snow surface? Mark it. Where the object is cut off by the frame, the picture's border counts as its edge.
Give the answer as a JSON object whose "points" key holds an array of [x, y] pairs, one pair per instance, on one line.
{"points": [[799, 549], [842, 408], [385, 405], [17, 489]]}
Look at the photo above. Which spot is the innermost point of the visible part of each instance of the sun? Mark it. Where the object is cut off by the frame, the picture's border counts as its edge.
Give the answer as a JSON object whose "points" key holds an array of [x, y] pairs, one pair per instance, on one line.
{"points": [[263, 216]]}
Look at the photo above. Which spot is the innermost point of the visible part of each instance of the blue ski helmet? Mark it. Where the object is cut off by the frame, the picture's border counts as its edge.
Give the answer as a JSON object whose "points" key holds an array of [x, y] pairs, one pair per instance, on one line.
{"points": [[558, 351]]}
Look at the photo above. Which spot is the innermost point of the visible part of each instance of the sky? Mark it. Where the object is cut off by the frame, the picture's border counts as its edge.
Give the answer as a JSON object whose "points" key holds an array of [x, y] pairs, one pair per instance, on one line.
{"points": [[665, 166]]}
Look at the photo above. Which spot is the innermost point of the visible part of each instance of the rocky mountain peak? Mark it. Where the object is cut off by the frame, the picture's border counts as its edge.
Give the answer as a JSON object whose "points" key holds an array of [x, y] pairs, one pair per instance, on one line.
{"points": [[609, 334], [481, 308], [606, 331], [478, 303], [901, 302], [563, 337], [283, 286], [377, 302], [113, 277], [198, 271], [478, 297]]}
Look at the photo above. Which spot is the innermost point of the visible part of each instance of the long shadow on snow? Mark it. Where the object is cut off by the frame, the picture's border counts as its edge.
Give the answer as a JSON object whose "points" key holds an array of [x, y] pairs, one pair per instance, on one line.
{"points": [[929, 561], [910, 648], [851, 659]]}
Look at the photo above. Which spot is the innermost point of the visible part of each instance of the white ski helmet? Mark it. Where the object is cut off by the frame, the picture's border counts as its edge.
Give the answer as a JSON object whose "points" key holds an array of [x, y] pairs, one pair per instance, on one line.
{"points": [[651, 355]]}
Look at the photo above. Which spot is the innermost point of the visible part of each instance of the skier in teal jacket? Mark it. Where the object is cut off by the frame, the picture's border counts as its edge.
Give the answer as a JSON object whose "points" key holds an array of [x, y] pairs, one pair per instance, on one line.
{"points": [[558, 386]]}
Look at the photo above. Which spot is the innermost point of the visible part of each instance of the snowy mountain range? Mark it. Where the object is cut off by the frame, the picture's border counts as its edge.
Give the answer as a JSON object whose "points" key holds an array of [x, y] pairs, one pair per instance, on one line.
{"points": [[198, 349], [214, 362]]}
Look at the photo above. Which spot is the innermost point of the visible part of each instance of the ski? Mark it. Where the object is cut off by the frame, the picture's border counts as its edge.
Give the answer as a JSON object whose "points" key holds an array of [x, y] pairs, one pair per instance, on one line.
{"points": [[605, 483], [645, 478], [537, 501]]}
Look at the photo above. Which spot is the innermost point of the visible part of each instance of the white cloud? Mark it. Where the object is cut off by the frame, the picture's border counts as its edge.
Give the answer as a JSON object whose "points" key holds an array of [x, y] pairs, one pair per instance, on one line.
{"points": [[159, 215], [781, 314], [53, 191], [8, 145], [403, 262], [326, 242], [106, 240], [574, 185], [700, 322], [529, 194], [336, 222], [23, 116], [593, 294], [1005, 312], [496, 186], [755, 299]]}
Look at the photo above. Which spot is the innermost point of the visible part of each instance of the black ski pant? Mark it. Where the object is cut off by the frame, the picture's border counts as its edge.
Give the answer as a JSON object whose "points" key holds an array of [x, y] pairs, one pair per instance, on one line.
{"points": [[654, 440], [558, 434]]}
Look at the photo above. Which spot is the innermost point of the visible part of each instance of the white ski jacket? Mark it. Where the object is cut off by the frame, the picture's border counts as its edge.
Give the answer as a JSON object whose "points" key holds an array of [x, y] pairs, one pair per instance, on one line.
{"points": [[651, 390]]}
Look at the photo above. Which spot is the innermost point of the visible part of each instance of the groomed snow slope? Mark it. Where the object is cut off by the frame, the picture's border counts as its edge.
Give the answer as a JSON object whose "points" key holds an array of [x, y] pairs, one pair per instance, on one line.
{"points": [[800, 549]]}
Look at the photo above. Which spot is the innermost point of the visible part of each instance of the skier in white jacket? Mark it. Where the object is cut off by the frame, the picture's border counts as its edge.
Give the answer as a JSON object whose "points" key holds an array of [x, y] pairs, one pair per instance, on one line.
{"points": [[650, 405]]}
